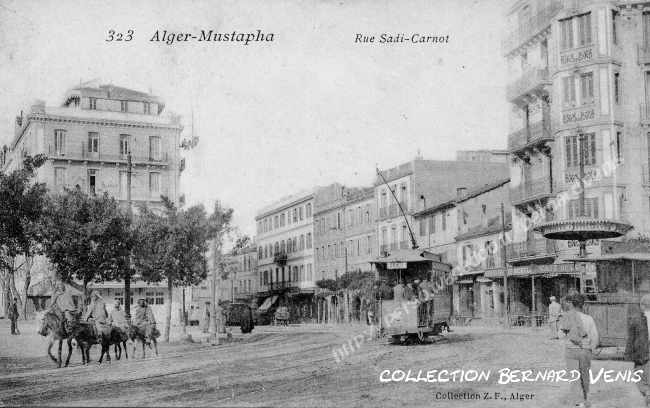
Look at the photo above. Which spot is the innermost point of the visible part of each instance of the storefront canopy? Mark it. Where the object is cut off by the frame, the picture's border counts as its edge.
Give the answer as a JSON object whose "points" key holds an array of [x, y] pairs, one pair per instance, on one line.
{"points": [[268, 302], [626, 256]]}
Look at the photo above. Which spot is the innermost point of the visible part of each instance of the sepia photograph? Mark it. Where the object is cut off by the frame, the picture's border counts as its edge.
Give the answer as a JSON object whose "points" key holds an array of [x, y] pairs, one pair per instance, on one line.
{"points": [[325, 203]]}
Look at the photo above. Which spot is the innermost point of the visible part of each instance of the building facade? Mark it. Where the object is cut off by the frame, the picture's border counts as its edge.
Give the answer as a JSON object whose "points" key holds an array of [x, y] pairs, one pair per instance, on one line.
{"points": [[285, 265], [344, 230], [88, 137], [494, 156], [245, 280], [579, 99], [416, 183], [87, 140]]}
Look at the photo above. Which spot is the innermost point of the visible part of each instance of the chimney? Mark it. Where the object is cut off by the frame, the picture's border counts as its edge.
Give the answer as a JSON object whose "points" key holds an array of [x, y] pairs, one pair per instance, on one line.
{"points": [[460, 191]]}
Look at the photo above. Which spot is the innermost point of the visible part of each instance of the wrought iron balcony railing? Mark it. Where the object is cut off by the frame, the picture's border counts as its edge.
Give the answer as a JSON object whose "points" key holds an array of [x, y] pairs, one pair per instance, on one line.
{"points": [[529, 190], [535, 248], [534, 25], [532, 80], [531, 136]]}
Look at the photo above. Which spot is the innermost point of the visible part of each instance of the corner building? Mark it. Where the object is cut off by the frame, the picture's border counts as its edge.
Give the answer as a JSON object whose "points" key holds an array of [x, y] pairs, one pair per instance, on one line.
{"points": [[579, 94]]}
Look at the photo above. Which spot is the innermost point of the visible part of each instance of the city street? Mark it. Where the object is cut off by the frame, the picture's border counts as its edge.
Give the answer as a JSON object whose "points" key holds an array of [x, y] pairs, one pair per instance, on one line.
{"points": [[295, 366]]}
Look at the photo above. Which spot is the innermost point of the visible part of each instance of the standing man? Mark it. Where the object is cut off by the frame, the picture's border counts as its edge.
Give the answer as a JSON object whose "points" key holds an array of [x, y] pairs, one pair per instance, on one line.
{"points": [[399, 292], [554, 313], [13, 316], [581, 341]]}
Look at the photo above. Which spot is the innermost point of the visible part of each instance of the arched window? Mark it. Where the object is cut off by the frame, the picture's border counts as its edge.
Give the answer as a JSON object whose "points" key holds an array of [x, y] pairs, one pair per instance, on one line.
{"points": [[282, 247], [266, 277], [277, 247], [302, 242], [309, 240], [295, 244]]}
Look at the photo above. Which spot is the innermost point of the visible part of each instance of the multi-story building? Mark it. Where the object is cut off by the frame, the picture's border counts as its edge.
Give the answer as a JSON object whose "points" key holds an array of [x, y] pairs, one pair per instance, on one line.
{"points": [[344, 230], [494, 156], [285, 265], [417, 182], [483, 214], [579, 97], [87, 140], [88, 137], [245, 280]]}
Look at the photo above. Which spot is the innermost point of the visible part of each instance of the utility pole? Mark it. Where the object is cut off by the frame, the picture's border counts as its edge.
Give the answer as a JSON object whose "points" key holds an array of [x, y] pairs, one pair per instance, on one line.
{"points": [[506, 320], [127, 276], [214, 335]]}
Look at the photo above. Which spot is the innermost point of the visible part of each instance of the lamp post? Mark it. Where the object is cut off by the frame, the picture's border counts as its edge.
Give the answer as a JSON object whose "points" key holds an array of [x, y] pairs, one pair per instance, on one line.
{"points": [[127, 275]]}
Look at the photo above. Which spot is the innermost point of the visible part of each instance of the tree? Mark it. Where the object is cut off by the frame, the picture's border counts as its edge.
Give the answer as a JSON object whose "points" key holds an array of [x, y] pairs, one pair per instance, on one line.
{"points": [[21, 207], [240, 243], [172, 247], [86, 237]]}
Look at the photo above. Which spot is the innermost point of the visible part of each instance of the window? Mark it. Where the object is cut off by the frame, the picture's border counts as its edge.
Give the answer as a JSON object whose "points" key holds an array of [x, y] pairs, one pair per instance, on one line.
{"points": [[300, 215], [614, 34], [309, 240], [587, 87], [584, 29], [93, 142], [125, 145], [369, 244], [308, 210], [282, 220], [432, 224], [619, 147], [572, 145], [423, 227], [92, 103], [569, 89], [154, 183], [301, 244], [59, 176], [154, 148], [302, 273], [295, 215], [59, 142], [309, 273], [289, 217], [92, 181], [367, 214], [591, 208], [160, 298], [146, 107], [275, 222], [617, 88], [119, 296], [124, 106], [150, 297], [444, 220], [566, 34]]}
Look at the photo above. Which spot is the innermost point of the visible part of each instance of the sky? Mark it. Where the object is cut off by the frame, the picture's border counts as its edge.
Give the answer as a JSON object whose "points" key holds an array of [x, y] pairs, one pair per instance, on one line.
{"points": [[273, 118]]}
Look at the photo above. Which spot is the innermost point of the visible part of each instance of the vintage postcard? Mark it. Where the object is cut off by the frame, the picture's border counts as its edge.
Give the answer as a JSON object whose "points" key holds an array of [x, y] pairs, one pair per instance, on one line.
{"points": [[325, 203]]}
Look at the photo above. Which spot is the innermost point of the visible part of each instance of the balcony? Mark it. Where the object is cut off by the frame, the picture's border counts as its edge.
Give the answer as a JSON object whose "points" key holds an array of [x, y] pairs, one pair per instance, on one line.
{"points": [[280, 258], [531, 190], [533, 26], [534, 137], [84, 155], [532, 82], [537, 248]]}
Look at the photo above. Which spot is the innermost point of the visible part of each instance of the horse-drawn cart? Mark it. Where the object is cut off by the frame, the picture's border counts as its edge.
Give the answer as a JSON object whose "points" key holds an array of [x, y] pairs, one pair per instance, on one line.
{"points": [[281, 316]]}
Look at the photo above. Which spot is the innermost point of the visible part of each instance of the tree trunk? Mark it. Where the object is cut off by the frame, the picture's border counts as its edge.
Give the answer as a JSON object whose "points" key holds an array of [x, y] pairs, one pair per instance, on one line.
{"points": [[29, 262], [84, 296], [168, 317]]}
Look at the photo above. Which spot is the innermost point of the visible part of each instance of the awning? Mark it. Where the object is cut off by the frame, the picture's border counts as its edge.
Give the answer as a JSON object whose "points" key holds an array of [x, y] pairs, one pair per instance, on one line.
{"points": [[268, 302], [470, 273], [483, 279], [465, 282], [407, 255]]}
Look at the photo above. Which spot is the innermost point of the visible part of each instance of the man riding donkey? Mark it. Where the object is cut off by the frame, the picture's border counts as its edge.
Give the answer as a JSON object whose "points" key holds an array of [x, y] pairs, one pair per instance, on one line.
{"points": [[97, 311], [63, 306], [144, 326]]}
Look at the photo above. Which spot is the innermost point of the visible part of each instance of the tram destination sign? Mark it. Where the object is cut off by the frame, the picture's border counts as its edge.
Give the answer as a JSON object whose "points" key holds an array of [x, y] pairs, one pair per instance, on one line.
{"points": [[396, 265]]}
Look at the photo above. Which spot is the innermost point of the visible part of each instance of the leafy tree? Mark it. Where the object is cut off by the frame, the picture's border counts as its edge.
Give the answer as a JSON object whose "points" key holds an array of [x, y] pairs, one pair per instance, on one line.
{"points": [[242, 242], [86, 237], [21, 207], [172, 247]]}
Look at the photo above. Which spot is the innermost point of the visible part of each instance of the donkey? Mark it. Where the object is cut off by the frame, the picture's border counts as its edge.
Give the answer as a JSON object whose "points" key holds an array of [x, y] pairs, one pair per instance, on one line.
{"points": [[118, 338], [52, 326], [139, 333]]}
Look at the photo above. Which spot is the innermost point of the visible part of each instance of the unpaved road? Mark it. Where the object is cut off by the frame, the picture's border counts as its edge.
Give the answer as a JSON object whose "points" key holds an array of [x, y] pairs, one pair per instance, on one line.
{"points": [[295, 366]]}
